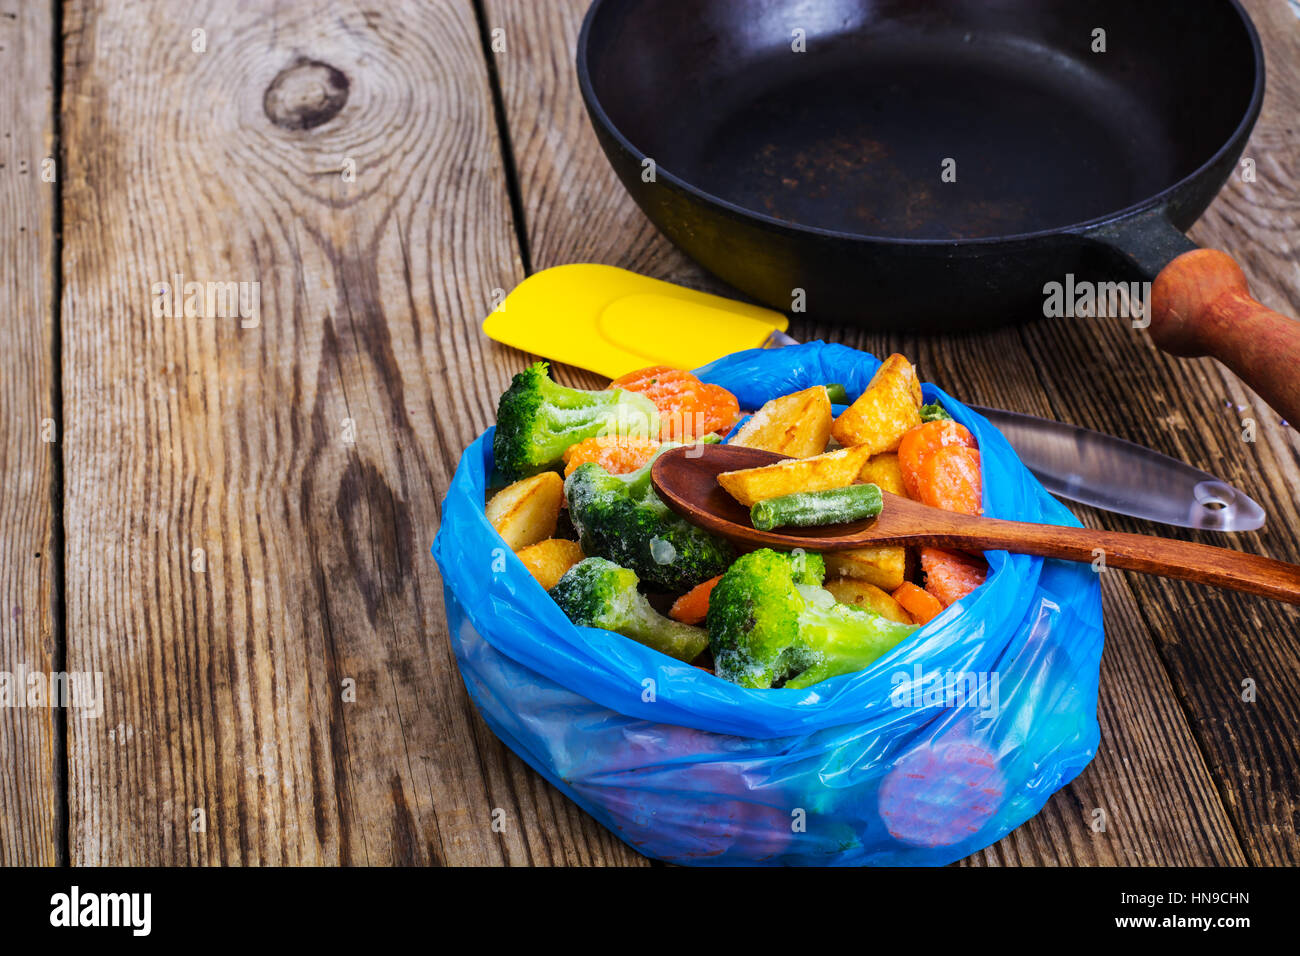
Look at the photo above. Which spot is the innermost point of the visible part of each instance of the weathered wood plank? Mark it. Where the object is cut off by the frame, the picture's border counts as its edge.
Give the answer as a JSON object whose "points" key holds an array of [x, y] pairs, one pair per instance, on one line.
{"points": [[1161, 802], [30, 748], [574, 208], [305, 455], [1212, 641]]}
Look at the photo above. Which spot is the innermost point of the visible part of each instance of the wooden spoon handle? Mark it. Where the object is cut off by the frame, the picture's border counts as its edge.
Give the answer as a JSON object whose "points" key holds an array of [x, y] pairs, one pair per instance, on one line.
{"points": [[1167, 557], [1201, 305]]}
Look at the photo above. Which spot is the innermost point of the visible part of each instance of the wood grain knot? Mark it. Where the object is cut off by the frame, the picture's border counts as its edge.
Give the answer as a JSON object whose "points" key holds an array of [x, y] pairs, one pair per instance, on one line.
{"points": [[305, 95]]}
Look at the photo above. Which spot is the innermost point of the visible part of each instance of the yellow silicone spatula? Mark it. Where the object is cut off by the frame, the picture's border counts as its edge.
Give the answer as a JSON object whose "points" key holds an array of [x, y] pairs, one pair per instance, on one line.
{"points": [[612, 321]]}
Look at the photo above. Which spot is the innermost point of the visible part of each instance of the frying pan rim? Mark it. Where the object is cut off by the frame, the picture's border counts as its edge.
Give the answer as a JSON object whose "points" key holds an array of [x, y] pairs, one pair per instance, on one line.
{"points": [[1238, 137]]}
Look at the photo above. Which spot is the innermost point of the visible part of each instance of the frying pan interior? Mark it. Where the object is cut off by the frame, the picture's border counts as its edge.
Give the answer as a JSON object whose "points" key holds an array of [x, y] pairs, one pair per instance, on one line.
{"points": [[851, 136]]}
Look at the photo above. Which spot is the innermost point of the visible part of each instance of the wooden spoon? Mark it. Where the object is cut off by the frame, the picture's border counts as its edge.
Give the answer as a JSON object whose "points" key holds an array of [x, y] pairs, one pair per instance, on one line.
{"points": [[687, 480]]}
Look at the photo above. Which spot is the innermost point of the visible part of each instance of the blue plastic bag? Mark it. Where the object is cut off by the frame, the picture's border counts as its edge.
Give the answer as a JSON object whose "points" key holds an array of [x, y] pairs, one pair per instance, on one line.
{"points": [[944, 745]]}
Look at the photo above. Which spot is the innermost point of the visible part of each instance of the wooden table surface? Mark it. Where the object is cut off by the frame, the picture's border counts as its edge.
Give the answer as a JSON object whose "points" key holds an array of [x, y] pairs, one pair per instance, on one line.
{"points": [[232, 523]]}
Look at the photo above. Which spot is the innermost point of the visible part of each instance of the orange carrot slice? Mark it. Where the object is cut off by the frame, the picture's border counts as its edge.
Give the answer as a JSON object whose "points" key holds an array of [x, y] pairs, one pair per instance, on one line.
{"points": [[922, 605], [950, 575], [645, 379], [688, 408], [949, 478], [693, 606], [923, 441], [717, 410], [618, 455]]}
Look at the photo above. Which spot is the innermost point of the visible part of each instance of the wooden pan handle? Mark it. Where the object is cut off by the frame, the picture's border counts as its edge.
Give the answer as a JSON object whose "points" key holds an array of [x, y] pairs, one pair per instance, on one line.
{"points": [[1201, 305]]}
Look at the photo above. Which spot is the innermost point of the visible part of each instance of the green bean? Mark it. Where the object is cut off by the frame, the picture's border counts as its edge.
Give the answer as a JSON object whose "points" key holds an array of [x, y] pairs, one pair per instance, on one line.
{"points": [[839, 395], [811, 508]]}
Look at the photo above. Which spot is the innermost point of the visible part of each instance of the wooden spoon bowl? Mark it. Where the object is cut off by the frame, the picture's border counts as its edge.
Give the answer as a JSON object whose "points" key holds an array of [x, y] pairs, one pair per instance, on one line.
{"points": [[687, 481]]}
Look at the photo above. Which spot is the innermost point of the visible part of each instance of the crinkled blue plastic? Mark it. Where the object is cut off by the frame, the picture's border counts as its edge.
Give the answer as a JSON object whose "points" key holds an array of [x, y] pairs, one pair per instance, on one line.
{"points": [[940, 748]]}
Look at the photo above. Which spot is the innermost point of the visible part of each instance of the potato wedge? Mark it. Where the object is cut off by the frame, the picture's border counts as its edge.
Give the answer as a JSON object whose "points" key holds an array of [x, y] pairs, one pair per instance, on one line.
{"points": [[884, 471], [887, 410], [526, 512], [548, 560], [834, 469], [798, 424], [868, 596], [886, 568]]}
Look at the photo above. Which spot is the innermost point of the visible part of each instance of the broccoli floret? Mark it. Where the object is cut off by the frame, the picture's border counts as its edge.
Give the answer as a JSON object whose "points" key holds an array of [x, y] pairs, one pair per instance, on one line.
{"points": [[934, 412], [771, 620], [620, 517], [598, 593], [538, 419]]}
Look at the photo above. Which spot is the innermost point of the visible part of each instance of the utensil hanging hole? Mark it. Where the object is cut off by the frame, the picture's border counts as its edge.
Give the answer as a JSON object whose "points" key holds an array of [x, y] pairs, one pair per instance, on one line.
{"points": [[1214, 496]]}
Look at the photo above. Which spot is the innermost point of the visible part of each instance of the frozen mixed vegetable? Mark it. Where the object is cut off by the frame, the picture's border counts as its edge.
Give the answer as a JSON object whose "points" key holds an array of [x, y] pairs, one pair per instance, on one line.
{"points": [[805, 509], [538, 419], [620, 517], [612, 555], [772, 623], [599, 593]]}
